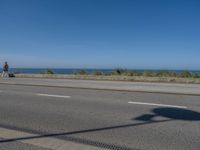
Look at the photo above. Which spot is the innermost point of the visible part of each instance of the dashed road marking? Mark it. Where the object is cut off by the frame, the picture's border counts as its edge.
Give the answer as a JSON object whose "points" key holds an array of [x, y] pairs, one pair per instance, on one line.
{"points": [[49, 95], [154, 104]]}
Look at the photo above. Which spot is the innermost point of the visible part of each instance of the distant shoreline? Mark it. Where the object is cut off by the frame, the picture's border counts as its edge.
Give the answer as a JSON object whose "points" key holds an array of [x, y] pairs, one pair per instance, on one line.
{"points": [[177, 76], [90, 71]]}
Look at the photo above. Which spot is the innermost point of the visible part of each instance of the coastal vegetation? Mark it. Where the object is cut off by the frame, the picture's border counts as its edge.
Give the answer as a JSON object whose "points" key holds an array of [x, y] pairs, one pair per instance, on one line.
{"points": [[126, 72], [81, 72], [120, 75], [132, 73], [48, 71]]}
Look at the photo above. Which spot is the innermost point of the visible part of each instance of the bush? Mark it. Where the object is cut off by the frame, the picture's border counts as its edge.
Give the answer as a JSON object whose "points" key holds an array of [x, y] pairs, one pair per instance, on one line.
{"points": [[131, 73], [128, 73], [166, 74], [117, 72], [185, 74], [48, 71], [125, 72], [148, 74], [173, 74], [81, 72], [195, 75]]}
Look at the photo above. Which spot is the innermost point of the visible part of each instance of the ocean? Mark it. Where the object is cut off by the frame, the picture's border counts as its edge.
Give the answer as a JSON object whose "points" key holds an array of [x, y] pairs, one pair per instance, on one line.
{"points": [[71, 71]]}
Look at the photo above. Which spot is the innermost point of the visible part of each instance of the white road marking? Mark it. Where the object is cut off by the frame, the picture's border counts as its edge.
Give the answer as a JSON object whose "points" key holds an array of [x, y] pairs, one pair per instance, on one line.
{"points": [[49, 95], [153, 104]]}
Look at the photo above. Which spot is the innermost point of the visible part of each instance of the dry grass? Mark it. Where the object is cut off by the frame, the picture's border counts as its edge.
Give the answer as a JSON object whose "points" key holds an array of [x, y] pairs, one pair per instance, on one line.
{"points": [[113, 78]]}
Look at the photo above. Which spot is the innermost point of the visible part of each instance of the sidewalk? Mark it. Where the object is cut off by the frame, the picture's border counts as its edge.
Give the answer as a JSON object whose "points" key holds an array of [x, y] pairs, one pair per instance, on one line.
{"points": [[172, 88]]}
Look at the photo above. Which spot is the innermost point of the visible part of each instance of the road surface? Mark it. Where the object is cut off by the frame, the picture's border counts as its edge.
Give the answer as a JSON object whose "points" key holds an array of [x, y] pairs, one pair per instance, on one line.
{"points": [[45, 118], [172, 88]]}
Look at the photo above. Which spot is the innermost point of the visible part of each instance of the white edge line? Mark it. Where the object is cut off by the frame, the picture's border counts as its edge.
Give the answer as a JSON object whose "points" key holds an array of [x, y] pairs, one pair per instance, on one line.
{"points": [[49, 95], [153, 104]]}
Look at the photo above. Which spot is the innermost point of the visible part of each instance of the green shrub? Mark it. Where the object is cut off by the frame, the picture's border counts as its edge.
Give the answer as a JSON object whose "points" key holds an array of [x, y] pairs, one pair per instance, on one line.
{"points": [[81, 72], [165, 74], [125, 72], [195, 75], [48, 71], [148, 74], [128, 73], [117, 72], [173, 74], [131, 73], [185, 74]]}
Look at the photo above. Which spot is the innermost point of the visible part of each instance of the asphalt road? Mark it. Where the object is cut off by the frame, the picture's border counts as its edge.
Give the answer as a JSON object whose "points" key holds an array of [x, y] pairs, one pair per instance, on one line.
{"points": [[34, 117], [172, 88]]}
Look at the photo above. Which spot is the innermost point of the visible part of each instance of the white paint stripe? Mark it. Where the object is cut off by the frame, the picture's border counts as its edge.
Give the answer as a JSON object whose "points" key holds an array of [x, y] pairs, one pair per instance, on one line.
{"points": [[58, 96], [153, 104]]}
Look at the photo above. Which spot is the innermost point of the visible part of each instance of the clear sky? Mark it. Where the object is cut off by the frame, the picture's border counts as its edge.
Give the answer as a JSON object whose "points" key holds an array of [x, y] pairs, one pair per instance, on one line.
{"points": [[145, 34]]}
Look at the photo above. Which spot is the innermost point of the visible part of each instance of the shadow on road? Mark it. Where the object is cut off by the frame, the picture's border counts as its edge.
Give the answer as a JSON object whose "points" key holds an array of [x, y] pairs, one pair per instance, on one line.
{"points": [[169, 114]]}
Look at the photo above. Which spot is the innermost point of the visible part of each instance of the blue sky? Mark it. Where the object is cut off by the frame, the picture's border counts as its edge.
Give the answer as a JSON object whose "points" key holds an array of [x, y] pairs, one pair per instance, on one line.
{"points": [[138, 34]]}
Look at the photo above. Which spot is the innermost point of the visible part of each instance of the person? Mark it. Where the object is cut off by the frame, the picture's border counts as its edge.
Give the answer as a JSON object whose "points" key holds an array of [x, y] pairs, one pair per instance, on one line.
{"points": [[5, 70]]}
